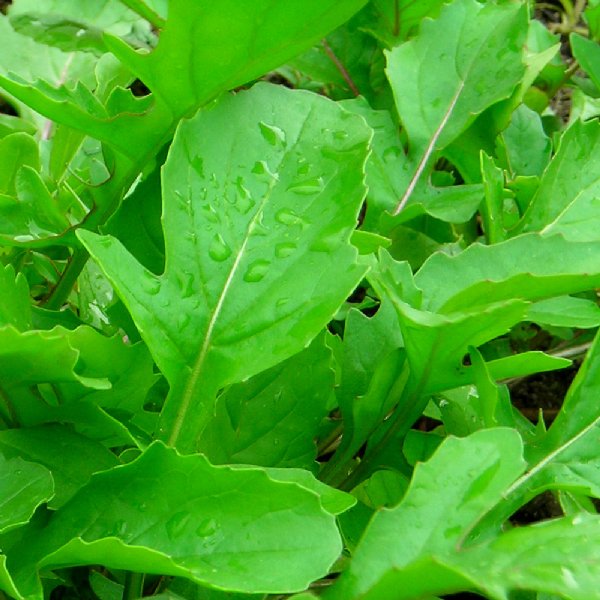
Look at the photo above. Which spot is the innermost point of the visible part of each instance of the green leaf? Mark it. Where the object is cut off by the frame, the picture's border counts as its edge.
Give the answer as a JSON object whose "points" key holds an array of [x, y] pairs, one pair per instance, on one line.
{"points": [[566, 200], [227, 45], [531, 267], [23, 487], [472, 472], [15, 309], [387, 179], [17, 150], [523, 145], [72, 26], [46, 445], [565, 311], [371, 364], [260, 195], [179, 515], [587, 53], [440, 83], [273, 418]]}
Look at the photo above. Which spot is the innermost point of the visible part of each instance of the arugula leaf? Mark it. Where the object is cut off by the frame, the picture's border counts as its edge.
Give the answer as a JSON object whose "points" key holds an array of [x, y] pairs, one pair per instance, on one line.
{"points": [[244, 221], [424, 535], [565, 201], [219, 526], [273, 418], [231, 44], [441, 82], [23, 487]]}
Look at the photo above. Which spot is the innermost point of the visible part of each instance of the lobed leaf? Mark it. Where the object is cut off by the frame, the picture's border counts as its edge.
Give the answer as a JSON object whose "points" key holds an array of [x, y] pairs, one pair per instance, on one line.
{"points": [[260, 195], [169, 514]]}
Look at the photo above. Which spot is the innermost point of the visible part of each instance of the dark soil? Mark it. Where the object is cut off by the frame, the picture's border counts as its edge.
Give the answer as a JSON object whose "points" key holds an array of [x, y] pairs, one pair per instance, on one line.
{"points": [[544, 391]]}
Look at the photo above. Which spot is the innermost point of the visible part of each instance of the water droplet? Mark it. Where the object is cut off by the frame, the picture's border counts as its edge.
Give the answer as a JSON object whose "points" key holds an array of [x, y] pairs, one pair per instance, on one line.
{"points": [[243, 202], [281, 302], [186, 284], [285, 249], [210, 213], [340, 135], [287, 216], [257, 271], [150, 284], [198, 165], [303, 166], [392, 154], [206, 528], [183, 321], [177, 524], [443, 403], [262, 168], [272, 134], [219, 250], [307, 187], [326, 243], [276, 442]]}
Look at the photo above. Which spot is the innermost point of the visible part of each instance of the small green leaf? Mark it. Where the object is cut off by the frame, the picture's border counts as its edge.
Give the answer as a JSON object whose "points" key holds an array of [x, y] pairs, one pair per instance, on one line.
{"points": [[15, 308], [565, 311], [273, 418], [440, 83], [23, 487], [68, 456], [566, 200]]}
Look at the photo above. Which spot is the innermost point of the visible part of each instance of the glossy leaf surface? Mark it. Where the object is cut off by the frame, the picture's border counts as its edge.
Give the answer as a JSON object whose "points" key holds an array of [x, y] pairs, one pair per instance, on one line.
{"points": [[248, 224]]}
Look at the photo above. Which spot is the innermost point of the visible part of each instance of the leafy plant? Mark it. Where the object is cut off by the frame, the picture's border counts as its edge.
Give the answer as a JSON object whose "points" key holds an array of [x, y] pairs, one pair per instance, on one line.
{"points": [[265, 342]]}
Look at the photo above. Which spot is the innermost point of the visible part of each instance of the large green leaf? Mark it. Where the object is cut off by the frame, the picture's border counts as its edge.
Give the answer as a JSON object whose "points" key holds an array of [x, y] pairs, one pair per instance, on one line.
{"points": [[260, 195], [567, 199], [273, 418], [472, 472], [459, 64], [424, 536], [531, 267], [227, 44], [175, 515]]}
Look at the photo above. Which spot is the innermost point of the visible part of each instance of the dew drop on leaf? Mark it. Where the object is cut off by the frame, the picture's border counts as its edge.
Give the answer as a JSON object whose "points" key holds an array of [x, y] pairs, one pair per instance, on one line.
{"points": [[183, 321], [286, 216], [210, 214], [257, 270], [206, 528], [244, 202], [325, 243], [150, 284], [262, 168], [307, 187], [303, 166], [340, 135], [285, 249], [219, 250], [186, 284], [177, 524], [272, 134]]}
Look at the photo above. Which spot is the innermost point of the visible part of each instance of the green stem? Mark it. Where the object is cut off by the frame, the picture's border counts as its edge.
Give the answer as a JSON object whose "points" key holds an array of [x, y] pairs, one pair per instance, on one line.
{"points": [[134, 586], [58, 296], [142, 9]]}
